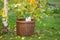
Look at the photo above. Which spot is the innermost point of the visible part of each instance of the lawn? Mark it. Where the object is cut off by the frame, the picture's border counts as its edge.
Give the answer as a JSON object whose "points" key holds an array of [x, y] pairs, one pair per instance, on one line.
{"points": [[47, 28]]}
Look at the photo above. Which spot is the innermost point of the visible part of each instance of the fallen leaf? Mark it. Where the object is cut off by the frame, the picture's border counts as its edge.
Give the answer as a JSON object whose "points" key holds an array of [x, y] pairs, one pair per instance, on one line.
{"points": [[23, 38]]}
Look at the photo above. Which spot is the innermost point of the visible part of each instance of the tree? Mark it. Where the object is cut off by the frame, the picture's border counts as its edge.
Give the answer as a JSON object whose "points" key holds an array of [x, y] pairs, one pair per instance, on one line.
{"points": [[4, 17]]}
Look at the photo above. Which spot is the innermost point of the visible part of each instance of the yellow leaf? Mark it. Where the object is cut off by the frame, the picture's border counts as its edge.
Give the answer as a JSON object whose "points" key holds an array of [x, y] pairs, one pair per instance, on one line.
{"points": [[32, 2], [4, 14], [17, 1], [23, 38]]}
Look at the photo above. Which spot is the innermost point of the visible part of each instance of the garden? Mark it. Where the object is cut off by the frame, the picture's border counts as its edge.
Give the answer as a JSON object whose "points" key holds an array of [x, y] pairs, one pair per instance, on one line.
{"points": [[45, 15]]}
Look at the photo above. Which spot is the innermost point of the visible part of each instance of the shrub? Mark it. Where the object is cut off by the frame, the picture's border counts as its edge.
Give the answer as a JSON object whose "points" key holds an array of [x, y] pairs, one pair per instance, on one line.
{"points": [[32, 8]]}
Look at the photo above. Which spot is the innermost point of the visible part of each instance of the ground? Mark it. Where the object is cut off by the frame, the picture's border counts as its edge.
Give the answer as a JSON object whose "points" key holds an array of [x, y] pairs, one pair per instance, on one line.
{"points": [[47, 29]]}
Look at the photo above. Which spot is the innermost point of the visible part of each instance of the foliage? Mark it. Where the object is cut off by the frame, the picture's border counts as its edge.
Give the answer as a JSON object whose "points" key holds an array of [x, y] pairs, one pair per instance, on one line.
{"points": [[57, 10], [33, 8], [1, 6]]}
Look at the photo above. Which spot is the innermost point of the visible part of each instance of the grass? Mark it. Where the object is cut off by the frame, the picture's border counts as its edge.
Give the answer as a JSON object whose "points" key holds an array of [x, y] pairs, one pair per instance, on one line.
{"points": [[48, 28]]}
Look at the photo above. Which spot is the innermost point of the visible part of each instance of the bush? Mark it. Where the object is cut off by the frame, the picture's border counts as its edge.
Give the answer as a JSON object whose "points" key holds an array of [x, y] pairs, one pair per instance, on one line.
{"points": [[32, 8]]}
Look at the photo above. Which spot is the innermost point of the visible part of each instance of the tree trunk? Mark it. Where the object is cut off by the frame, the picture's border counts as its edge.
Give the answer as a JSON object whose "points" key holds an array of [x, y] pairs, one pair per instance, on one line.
{"points": [[4, 17]]}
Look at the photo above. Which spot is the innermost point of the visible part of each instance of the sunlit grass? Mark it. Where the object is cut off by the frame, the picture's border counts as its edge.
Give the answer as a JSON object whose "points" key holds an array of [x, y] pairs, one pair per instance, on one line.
{"points": [[48, 28]]}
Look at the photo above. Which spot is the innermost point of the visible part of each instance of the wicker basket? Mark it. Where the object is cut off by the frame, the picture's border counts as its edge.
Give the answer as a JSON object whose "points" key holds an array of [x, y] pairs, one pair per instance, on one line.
{"points": [[25, 28]]}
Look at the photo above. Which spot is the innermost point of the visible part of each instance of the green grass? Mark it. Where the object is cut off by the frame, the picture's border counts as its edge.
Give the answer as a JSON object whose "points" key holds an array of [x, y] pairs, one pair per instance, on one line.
{"points": [[48, 28]]}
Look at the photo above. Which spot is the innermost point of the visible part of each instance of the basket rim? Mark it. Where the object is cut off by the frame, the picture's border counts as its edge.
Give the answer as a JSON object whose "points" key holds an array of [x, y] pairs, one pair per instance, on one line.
{"points": [[23, 21]]}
